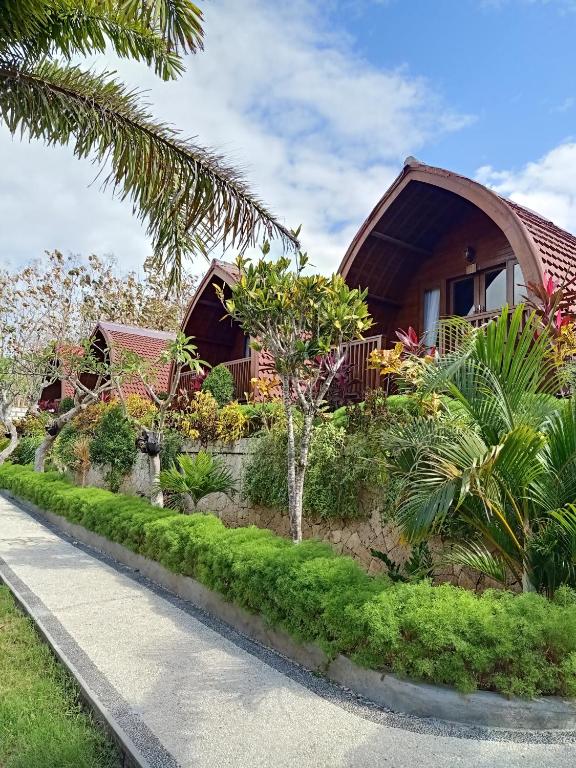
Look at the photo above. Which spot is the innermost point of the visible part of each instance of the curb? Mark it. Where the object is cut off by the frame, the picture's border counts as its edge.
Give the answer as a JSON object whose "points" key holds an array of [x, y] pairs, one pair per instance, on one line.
{"points": [[480, 709]]}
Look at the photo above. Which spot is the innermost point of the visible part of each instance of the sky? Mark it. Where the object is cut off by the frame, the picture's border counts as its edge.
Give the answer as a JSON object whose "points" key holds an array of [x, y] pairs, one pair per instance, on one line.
{"points": [[319, 102]]}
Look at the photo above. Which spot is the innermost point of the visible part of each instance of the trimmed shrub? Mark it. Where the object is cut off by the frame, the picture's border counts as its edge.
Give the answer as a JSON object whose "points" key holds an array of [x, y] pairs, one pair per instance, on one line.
{"points": [[66, 404], [517, 644], [220, 384]]}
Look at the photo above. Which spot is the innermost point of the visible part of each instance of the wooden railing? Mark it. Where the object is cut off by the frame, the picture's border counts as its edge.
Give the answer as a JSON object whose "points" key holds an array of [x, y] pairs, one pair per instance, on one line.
{"points": [[190, 382], [357, 357], [241, 370]]}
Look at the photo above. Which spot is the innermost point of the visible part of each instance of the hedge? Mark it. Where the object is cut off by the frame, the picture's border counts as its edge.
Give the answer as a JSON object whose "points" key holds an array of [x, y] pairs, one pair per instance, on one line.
{"points": [[517, 644]]}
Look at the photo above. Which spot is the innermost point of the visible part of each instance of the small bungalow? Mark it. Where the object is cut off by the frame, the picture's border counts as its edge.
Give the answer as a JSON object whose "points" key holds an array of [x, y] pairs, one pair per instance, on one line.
{"points": [[436, 244], [107, 339]]}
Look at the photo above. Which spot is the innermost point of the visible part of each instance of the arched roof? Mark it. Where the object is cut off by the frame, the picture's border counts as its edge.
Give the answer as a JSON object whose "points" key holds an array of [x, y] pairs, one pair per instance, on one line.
{"points": [[218, 270], [538, 244]]}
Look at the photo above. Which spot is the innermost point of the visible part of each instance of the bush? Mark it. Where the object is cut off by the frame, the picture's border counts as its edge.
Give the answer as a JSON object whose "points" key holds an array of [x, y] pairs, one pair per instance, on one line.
{"points": [[516, 644], [33, 424], [220, 384], [66, 404], [26, 448], [113, 445], [341, 467]]}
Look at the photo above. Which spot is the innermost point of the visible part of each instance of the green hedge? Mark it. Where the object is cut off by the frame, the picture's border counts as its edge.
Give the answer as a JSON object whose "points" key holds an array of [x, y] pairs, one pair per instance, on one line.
{"points": [[522, 645]]}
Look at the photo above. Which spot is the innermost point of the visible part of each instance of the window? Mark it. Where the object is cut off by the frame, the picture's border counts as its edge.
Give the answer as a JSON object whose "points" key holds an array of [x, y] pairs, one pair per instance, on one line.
{"points": [[519, 288], [487, 291], [495, 289], [463, 296], [431, 316]]}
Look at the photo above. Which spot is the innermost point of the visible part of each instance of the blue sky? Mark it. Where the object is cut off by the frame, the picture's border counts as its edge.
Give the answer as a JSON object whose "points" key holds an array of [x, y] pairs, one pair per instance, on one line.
{"points": [[319, 102], [510, 64]]}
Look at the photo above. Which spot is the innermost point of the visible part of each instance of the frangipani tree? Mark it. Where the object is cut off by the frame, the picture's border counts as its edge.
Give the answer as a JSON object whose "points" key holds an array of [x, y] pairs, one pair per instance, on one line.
{"points": [[304, 323], [187, 195], [89, 376], [180, 354]]}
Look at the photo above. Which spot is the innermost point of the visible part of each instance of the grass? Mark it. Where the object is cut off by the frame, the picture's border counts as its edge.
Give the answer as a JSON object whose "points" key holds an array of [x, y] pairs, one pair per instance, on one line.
{"points": [[42, 724]]}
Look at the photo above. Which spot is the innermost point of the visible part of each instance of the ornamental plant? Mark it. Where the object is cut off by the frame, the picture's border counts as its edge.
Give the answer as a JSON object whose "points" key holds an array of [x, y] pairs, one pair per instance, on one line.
{"points": [[193, 478], [304, 323], [220, 383]]}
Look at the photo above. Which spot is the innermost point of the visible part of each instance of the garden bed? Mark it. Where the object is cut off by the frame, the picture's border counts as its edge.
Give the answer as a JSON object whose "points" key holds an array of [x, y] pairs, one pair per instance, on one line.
{"points": [[518, 645]]}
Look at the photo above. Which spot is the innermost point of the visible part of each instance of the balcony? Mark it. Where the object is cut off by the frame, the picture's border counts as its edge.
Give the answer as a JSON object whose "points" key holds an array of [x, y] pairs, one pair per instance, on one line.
{"points": [[241, 371], [357, 358]]}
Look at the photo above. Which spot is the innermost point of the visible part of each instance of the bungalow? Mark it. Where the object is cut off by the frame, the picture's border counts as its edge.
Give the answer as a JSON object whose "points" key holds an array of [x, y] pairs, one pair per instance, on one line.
{"points": [[108, 339], [436, 244]]}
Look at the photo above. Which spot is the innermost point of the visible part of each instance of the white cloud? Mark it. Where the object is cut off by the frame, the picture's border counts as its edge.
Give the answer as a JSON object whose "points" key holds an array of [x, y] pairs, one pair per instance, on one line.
{"points": [[547, 185], [319, 130]]}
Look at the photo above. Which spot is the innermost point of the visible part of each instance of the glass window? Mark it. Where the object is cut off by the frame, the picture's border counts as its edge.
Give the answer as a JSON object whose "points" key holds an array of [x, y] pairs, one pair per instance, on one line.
{"points": [[431, 316], [463, 297], [495, 287], [520, 289]]}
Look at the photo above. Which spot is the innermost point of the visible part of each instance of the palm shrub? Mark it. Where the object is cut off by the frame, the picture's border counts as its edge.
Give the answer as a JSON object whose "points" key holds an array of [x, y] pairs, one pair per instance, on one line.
{"points": [[508, 475], [193, 478]]}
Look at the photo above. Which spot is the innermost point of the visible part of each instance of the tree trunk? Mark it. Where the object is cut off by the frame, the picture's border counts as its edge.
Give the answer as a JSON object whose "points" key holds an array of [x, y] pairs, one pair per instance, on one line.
{"points": [[294, 501], [156, 497], [42, 452], [9, 424]]}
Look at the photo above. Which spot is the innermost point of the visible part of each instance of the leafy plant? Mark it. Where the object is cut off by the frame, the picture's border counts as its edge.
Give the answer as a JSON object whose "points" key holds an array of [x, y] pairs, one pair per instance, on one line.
{"points": [[418, 566], [508, 470], [232, 423], [193, 478], [303, 322], [220, 384], [26, 448], [32, 424], [113, 445], [65, 404]]}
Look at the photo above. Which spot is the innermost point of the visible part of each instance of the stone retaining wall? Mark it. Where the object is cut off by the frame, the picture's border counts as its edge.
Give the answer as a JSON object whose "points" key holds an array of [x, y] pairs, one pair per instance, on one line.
{"points": [[349, 537]]}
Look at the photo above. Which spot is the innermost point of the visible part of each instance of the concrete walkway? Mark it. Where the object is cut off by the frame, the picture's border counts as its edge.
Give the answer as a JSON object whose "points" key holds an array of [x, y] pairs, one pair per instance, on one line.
{"points": [[187, 691]]}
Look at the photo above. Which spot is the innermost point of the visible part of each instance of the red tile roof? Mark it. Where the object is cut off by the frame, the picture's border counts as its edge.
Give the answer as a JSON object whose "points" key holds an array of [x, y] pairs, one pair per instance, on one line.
{"points": [[556, 247], [147, 343]]}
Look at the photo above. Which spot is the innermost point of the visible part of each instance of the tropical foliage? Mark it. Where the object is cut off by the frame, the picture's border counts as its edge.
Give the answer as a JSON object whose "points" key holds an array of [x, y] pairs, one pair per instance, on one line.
{"points": [[194, 477], [508, 475]]}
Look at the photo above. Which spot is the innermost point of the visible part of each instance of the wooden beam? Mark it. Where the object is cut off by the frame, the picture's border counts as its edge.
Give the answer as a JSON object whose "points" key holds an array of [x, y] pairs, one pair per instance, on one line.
{"points": [[400, 243], [383, 300]]}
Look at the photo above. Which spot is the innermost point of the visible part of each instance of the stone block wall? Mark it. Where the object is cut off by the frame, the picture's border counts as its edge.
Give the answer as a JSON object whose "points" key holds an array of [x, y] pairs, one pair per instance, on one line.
{"points": [[355, 538]]}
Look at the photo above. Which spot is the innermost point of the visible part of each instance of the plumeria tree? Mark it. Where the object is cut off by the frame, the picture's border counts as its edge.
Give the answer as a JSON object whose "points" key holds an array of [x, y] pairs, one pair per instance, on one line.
{"points": [[89, 376], [303, 322], [181, 354]]}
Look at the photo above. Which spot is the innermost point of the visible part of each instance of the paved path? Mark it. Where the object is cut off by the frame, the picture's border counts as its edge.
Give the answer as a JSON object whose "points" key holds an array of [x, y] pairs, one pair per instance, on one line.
{"points": [[190, 692]]}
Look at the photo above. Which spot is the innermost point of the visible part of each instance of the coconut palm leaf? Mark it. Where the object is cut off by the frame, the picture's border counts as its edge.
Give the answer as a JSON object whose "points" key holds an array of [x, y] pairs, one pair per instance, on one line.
{"points": [[478, 558], [189, 197]]}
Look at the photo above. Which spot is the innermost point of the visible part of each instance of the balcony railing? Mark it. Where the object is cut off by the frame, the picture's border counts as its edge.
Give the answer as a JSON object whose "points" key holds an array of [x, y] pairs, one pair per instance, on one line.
{"points": [[241, 371], [357, 357]]}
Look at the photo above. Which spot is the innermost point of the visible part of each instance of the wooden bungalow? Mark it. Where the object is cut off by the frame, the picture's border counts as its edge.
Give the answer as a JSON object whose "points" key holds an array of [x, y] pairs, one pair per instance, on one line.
{"points": [[108, 339], [436, 244], [219, 339]]}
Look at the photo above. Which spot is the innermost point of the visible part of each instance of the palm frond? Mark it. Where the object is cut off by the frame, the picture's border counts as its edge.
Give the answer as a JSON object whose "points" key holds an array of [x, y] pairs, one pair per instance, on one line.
{"points": [[197, 477], [187, 194], [478, 558]]}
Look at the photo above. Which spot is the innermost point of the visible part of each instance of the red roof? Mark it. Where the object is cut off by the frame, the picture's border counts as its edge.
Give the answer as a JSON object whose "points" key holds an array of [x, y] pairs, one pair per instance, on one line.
{"points": [[557, 248], [146, 342]]}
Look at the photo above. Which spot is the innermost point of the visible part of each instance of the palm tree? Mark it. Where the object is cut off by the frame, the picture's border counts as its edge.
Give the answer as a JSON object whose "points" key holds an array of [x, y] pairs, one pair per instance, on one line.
{"points": [[188, 196], [191, 479], [507, 476]]}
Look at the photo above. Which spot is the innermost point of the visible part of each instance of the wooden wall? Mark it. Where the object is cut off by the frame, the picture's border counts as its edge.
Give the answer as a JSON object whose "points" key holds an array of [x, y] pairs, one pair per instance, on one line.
{"points": [[446, 263]]}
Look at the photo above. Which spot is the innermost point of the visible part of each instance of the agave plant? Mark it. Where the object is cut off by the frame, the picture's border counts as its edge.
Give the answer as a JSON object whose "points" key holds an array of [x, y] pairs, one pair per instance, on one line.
{"points": [[509, 473], [193, 478]]}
